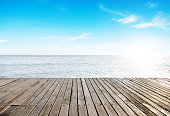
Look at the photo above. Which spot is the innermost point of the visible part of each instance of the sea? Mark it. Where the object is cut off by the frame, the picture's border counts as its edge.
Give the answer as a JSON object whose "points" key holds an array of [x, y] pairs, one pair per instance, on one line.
{"points": [[81, 66]]}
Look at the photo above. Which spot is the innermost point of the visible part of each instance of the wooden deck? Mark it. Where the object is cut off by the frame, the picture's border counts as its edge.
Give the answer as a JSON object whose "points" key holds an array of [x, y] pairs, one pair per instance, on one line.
{"points": [[84, 97]]}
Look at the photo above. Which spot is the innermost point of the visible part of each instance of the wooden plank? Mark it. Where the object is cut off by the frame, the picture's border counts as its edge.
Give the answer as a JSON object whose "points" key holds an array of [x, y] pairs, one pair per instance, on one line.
{"points": [[47, 108], [56, 106], [147, 86], [37, 109], [160, 106], [7, 102], [119, 101], [90, 106], [99, 106], [31, 90], [5, 81], [150, 90], [8, 89], [64, 111], [8, 111], [108, 107], [34, 102], [40, 96], [12, 83], [33, 95], [133, 98], [161, 84], [30, 97], [25, 107], [82, 108], [73, 110], [148, 94], [129, 103], [155, 88], [84, 97], [112, 101], [154, 107]]}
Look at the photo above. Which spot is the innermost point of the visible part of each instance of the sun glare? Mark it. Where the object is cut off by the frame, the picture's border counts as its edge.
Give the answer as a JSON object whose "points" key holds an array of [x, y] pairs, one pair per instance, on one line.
{"points": [[142, 52]]}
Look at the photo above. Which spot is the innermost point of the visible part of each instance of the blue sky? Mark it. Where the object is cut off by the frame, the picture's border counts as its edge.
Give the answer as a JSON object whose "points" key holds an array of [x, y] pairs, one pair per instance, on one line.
{"points": [[84, 26]]}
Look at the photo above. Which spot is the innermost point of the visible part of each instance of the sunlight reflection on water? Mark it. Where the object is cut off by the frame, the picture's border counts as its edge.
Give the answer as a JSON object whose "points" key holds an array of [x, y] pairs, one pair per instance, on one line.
{"points": [[80, 66]]}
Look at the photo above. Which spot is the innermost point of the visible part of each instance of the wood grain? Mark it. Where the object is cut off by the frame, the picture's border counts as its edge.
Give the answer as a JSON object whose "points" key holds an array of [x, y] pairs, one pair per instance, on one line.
{"points": [[84, 96]]}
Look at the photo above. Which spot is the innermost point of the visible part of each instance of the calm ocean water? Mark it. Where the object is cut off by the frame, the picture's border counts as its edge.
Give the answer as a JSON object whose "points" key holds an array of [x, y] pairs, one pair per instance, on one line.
{"points": [[80, 66]]}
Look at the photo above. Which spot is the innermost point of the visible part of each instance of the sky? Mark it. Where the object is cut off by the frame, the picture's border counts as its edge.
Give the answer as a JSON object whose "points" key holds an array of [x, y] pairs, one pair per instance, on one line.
{"points": [[84, 27]]}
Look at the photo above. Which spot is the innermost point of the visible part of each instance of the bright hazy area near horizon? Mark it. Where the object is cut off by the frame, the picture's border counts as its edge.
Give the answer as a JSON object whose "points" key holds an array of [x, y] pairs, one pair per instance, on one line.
{"points": [[136, 29]]}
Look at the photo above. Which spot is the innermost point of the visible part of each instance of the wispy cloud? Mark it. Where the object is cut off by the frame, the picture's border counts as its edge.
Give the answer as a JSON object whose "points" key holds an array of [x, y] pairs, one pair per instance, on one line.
{"points": [[3, 41], [82, 36], [151, 5], [54, 37], [157, 21], [101, 6], [126, 19], [69, 38], [129, 19]]}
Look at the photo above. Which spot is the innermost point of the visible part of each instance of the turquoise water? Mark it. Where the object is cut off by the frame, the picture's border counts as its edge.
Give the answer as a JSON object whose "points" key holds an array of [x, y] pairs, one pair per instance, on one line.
{"points": [[80, 66]]}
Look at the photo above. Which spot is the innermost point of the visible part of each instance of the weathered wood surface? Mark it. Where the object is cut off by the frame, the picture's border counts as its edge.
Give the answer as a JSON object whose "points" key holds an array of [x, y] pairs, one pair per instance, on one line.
{"points": [[85, 97]]}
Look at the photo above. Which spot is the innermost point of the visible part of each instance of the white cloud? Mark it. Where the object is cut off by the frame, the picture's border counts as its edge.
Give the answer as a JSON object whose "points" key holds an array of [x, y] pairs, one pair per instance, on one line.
{"points": [[54, 37], [144, 25], [157, 21], [110, 11], [125, 19], [3, 41], [70, 38], [151, 5], [129, 19], [82, 36]]}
